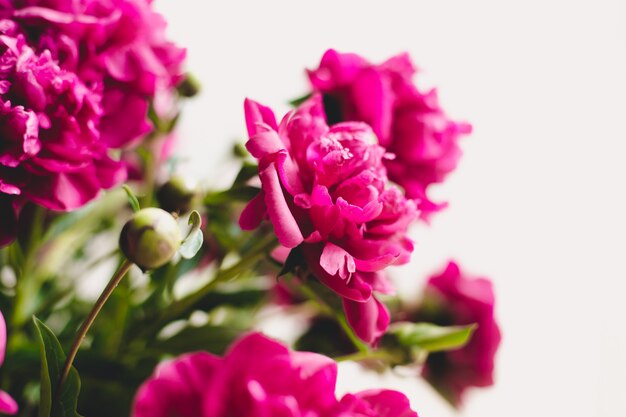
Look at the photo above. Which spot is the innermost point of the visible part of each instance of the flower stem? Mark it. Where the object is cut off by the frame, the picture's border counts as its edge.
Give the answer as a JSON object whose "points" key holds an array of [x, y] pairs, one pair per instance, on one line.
{"points": [[184, 305], [82, 332], [361, 356]]}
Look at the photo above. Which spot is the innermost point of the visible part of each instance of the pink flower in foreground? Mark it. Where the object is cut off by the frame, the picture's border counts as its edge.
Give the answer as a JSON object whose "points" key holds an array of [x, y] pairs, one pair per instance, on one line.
{"points": [[257, 377], [456, 299], [410, 124], [7, 403], [325, 191]]}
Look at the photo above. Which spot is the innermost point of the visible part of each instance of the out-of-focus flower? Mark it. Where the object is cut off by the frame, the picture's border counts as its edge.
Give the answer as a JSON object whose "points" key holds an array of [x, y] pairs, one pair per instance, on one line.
{"points": [[118, 46], [452, 298], [257, 377], [376, 403], [408, 123], [50, 152], [325, 191], [7, 403], [76, 82]]}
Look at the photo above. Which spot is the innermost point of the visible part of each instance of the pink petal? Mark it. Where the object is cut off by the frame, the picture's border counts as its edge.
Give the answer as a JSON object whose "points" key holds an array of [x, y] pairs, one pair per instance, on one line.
{"points": [[7, 404], [258, 115], [285, 225], [254, 212], [336, 260], [369, 319]]}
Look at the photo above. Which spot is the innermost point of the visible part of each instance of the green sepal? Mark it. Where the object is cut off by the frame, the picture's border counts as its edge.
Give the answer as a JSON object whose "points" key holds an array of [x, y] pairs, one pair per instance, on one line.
{"points": [[193, 242]]}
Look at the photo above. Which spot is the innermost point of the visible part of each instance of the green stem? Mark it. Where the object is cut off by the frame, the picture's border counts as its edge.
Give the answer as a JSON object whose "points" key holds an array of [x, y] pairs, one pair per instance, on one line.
{"points": [[361, 356], [184, 305], [82, 332], [27, 285]]}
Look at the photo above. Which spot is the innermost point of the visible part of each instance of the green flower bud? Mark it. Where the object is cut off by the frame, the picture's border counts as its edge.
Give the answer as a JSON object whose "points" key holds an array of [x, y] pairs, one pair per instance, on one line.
{"points": [[176, 195], [150, 238], [190, 86]]}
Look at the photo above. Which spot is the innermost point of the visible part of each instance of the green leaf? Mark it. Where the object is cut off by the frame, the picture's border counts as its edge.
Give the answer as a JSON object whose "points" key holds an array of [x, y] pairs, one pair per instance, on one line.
{"points": [[297, 101], [243, 194], [193, 242], [52, 362], [132, 199], [248, 170], [430, 337]]}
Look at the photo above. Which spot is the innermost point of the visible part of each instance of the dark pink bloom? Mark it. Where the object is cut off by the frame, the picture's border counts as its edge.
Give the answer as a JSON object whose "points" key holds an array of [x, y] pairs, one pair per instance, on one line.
{"points": [[118, 46], [325, 191], [376, 403], [7, 403], [408, 123], [461, 300], [257, 377], [76, 81], [50, 152]]}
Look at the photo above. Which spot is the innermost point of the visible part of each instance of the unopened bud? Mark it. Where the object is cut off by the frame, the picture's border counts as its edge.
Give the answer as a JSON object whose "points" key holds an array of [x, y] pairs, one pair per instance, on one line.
{"points": [[150, 238], [176, 195], [189, 87]]}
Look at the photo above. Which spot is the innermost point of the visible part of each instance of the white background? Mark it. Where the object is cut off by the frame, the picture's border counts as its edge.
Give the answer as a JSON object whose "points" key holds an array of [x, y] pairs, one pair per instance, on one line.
{"points": [[538, 203]]}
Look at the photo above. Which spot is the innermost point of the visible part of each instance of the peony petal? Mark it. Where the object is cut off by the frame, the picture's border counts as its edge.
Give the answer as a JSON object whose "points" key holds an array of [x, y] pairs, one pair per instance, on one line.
{"points": [[7, 404], [285, 225], [254, 212], [336, 260], [369, 319], [177, 387], [258, 115]]}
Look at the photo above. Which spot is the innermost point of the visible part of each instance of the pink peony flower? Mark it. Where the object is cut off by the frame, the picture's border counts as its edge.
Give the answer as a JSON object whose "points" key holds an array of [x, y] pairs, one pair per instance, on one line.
{"points": [[257, 377], [325, 191], [460, 300], [7, 403], [410, 124], [50, 152], [119, 46], [376, 403], [76, 80]]}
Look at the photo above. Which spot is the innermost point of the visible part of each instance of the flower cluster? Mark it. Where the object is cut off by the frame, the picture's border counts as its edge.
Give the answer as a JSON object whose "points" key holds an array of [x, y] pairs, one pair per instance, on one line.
{"points": [[452, 298], [76, 80], [258, 377], [325, 192], [409, 123]]}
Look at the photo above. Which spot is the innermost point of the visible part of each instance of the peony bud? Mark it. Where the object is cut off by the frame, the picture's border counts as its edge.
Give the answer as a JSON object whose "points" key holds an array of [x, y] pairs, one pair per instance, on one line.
{"points": [[150, 238], [190, 86], [176, 195]]}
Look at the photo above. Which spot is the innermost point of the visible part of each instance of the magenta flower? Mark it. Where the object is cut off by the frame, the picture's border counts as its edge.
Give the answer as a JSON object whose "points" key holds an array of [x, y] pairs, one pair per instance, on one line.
{"points": [[118, 46], [376, 403], [456, 299], [76, 80], [257, 377], [7, 403], [50, 152], [325, 191], [409, 123]]}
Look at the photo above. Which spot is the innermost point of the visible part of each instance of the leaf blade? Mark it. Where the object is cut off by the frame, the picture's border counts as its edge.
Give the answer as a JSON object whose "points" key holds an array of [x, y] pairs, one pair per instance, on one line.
{"points": [[52, 361]]}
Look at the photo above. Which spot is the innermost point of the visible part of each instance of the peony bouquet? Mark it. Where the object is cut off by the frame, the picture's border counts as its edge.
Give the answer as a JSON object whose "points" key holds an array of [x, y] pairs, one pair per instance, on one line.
{"points": [[126, 289]]}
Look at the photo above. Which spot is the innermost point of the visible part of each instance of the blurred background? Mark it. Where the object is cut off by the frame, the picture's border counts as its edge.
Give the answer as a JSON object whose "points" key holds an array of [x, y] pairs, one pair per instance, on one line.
{"points": [[538, 203]]}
